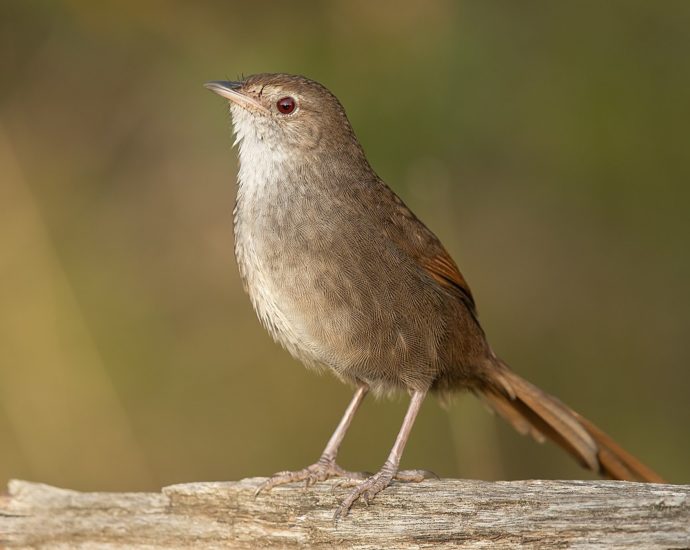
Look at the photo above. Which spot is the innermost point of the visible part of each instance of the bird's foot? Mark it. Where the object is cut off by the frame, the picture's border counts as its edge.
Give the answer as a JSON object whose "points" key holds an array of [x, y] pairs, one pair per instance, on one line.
{"points": [[373, 485], [366, 490], [320, 471]]}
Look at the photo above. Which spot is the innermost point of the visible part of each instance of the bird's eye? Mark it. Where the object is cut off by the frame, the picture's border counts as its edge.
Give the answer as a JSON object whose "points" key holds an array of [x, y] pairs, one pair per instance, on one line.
{"points": [[286, 105]]}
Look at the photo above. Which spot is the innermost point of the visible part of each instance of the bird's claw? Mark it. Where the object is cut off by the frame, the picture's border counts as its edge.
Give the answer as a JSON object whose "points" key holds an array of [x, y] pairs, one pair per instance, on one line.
{"points": [[366, 491], [320, 471]]}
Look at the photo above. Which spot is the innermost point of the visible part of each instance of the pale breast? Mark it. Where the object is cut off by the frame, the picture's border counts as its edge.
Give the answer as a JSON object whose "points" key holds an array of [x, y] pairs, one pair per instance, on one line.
{"points": [[268, 268]]}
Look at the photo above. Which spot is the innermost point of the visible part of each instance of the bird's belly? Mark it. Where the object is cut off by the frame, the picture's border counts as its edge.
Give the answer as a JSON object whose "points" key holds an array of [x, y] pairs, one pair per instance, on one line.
{"points": [[267, 283], [304, 309]]}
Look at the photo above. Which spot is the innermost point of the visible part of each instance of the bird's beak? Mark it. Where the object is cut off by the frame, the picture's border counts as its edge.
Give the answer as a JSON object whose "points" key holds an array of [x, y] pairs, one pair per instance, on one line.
{"points": [[231, 90]]}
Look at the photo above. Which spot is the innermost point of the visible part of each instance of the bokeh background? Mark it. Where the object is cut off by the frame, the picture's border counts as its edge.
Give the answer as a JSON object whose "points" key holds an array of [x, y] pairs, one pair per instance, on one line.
{"points": [[546, 143]]}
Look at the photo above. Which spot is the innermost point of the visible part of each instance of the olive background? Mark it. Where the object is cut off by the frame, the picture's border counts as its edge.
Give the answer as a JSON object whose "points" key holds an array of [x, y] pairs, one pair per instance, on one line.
{"points": [[546, 143]]}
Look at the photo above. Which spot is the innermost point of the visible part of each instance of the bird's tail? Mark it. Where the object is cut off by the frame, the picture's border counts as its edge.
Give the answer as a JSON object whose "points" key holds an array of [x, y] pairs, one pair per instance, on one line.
{"points": [[532, 411]]}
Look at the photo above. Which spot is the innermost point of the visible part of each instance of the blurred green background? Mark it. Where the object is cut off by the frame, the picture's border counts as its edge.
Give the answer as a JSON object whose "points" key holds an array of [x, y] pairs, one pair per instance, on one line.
{"points": [[545, 142]]}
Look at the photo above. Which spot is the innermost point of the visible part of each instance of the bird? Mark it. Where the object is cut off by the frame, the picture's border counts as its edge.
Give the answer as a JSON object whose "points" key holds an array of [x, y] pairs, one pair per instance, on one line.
{"points": [[347, 279]]}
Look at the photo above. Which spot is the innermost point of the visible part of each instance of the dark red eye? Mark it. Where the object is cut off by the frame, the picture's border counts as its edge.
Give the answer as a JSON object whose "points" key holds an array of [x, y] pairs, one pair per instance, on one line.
{"points": [[286, 105]]}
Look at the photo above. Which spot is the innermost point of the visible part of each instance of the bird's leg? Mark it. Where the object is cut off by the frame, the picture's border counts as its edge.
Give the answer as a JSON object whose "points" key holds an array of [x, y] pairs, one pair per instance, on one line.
{"points": [[369, 488], [325, 467]]}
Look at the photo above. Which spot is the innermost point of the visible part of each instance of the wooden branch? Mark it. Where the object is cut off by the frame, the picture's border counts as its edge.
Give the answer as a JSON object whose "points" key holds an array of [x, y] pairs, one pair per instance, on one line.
{"points": [[431, 514]]}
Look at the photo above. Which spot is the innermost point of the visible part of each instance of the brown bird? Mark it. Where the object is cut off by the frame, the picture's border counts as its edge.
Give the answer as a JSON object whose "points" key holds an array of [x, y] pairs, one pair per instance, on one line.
{"points": [[346, 278]]}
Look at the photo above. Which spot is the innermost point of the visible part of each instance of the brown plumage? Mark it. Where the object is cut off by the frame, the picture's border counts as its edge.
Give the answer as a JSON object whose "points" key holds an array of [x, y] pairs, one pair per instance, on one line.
{"points": [[346, 278], [533, 412]]}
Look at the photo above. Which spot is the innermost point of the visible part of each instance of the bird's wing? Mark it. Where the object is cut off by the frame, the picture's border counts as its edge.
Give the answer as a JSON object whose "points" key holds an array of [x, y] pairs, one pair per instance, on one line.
{"points": [[417, 240], [444, 270]]}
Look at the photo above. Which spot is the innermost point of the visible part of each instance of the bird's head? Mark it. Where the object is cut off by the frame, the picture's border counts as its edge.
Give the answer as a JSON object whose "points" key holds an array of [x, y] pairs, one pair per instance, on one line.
{"points": [[281, 113]]}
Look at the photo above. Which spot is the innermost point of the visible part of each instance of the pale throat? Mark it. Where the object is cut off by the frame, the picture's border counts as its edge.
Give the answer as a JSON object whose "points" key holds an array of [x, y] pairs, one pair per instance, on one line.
{"points": [[264, 187], [263, 157]]}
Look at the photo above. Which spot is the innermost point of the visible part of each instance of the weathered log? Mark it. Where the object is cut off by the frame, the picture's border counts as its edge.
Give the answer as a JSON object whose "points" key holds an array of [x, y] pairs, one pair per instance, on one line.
{"points": [[431, 514]]}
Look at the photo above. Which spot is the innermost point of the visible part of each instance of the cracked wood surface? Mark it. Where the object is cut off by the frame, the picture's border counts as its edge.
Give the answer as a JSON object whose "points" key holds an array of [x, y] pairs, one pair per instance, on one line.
{"points": [[432, 514]]}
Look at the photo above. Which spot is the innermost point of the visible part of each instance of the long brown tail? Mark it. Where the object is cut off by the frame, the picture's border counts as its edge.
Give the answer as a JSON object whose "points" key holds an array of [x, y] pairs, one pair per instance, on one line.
{"points": [[531, 411]]}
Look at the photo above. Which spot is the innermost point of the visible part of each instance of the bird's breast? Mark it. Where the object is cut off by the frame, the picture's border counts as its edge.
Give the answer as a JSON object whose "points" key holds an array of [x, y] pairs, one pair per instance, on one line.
{"points": [[279, 249]]}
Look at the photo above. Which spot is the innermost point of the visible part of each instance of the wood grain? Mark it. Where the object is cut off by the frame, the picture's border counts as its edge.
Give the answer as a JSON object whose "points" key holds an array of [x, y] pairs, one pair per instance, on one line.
{"points": [[433, 514]]}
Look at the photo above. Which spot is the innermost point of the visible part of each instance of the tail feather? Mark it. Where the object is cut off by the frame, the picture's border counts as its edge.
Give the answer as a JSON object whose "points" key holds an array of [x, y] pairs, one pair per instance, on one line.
{"points": [[507, 410], [616, 462], [532, 411]]}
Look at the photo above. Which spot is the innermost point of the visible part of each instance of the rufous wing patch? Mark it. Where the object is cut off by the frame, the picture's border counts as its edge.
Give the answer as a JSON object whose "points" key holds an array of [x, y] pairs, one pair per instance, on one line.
{"points": [[444, 271]]}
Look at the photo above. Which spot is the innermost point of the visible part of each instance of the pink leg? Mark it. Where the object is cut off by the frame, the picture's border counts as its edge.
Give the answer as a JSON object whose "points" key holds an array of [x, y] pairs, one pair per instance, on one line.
{"points": [[369, 488]]}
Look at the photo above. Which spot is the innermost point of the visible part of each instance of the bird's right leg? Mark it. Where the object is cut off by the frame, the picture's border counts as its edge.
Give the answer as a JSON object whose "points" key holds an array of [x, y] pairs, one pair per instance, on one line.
{"points": [[325, 467]]}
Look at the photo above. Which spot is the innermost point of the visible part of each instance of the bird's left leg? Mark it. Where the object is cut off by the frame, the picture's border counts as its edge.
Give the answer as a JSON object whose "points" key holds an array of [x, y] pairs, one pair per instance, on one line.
{"points": [[326, 466]]}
